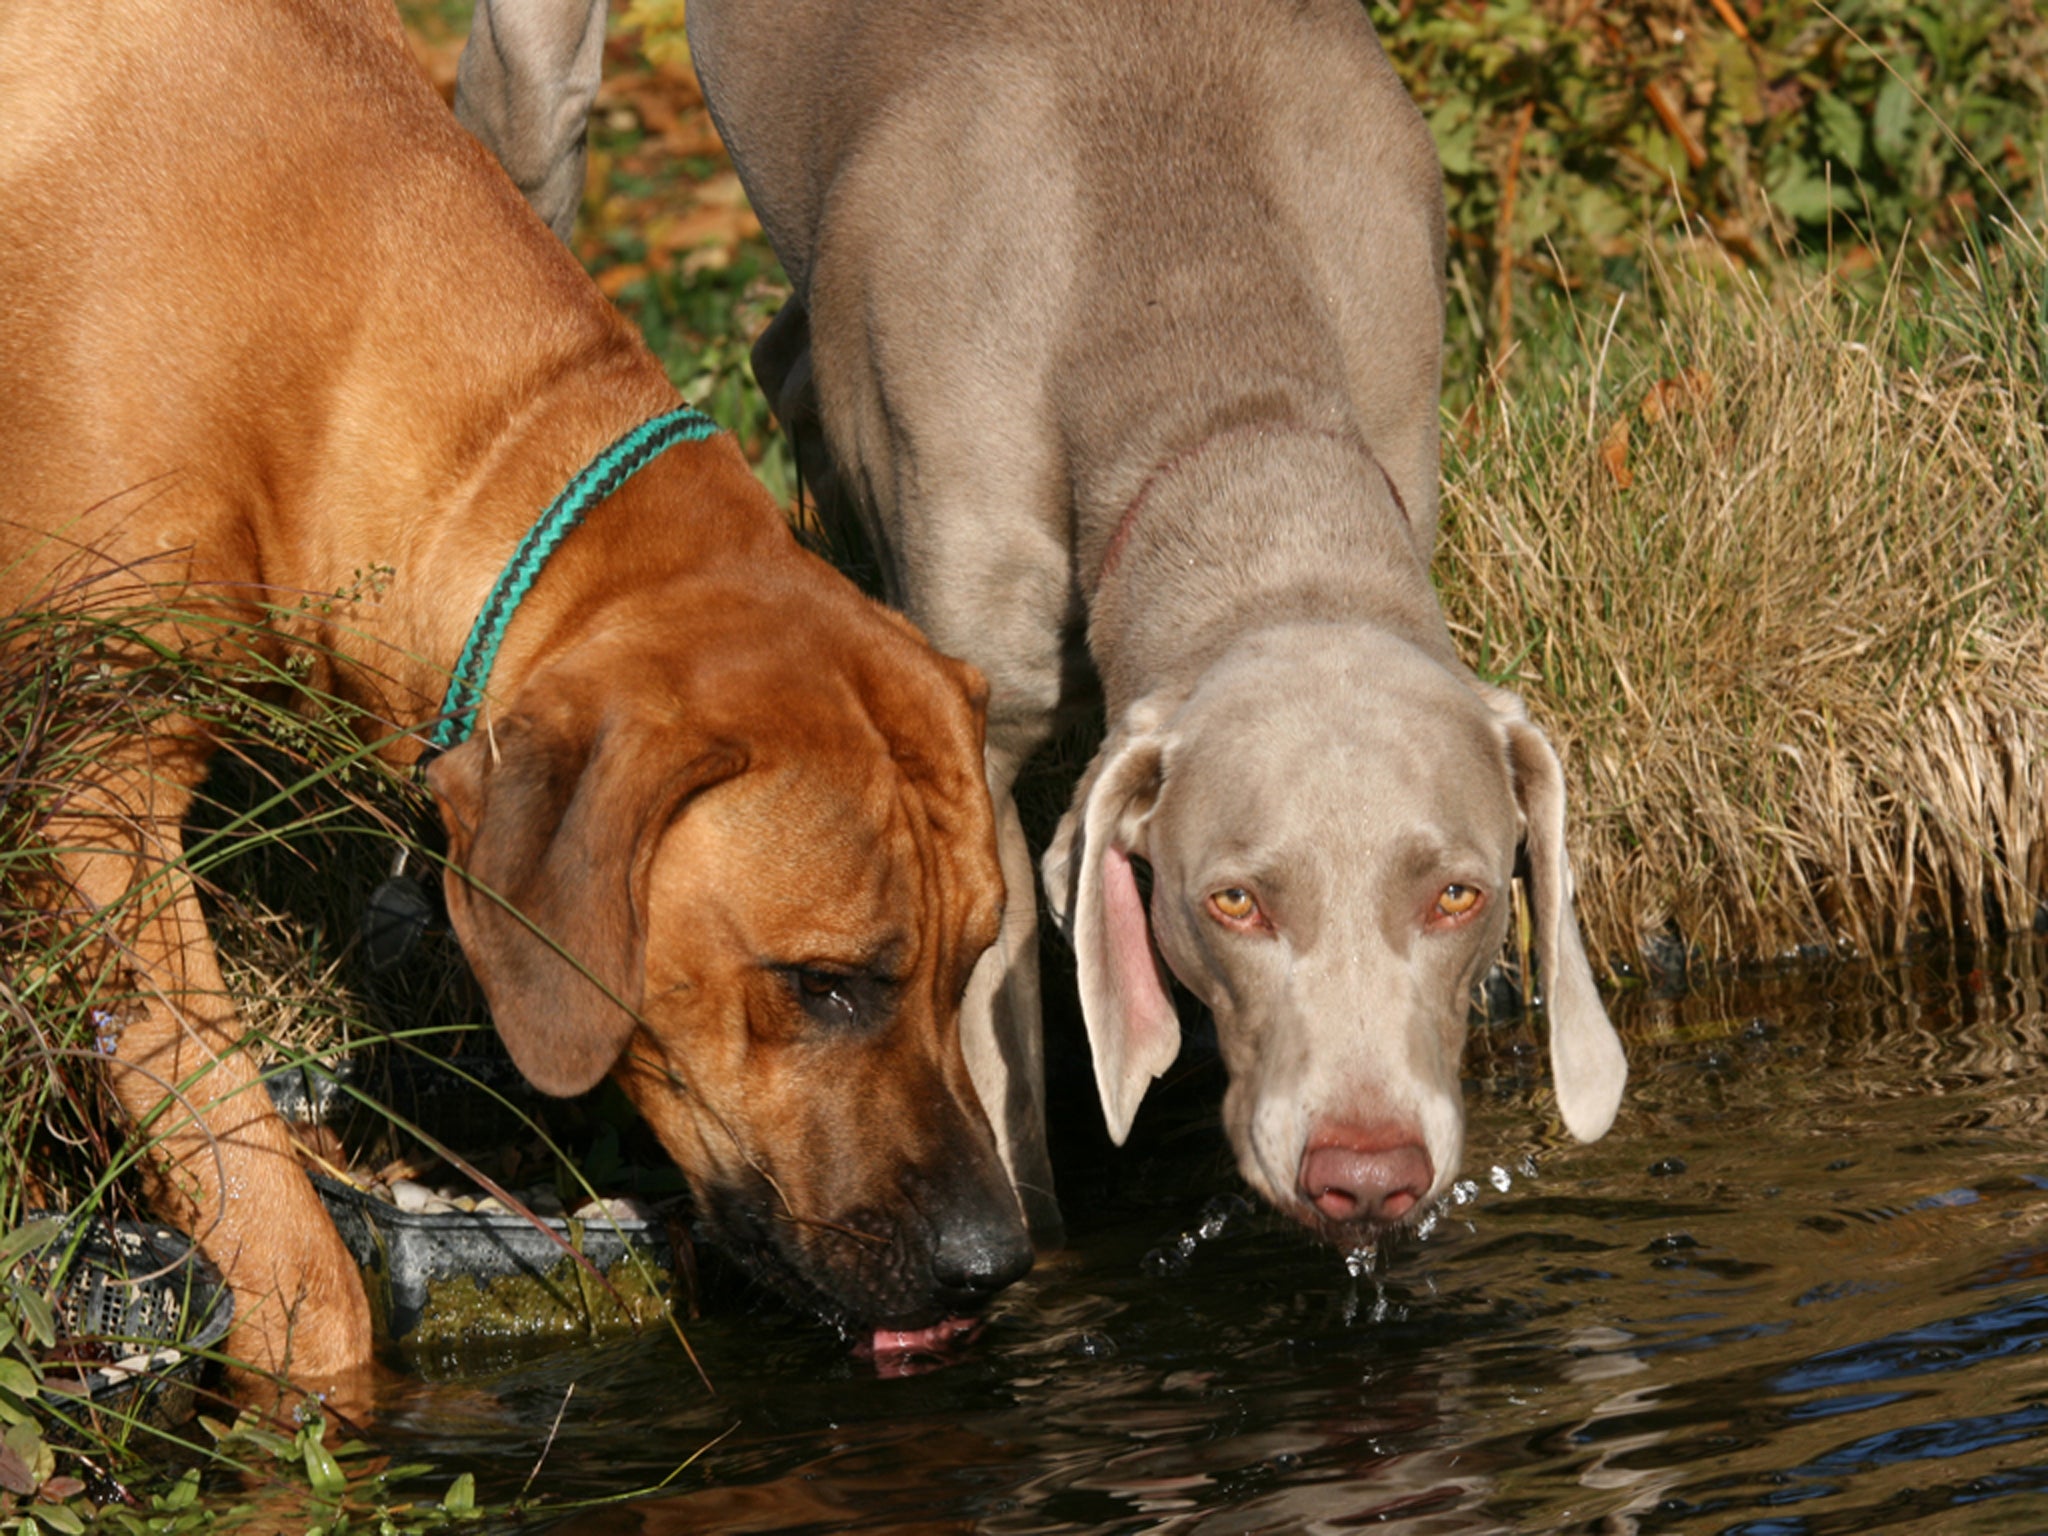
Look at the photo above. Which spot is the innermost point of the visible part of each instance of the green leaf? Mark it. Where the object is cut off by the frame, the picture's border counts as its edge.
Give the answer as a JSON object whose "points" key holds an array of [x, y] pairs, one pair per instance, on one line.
{"points": [[181, 1494], [1799, 193], [460, 1500], [322, 1470], [36, 1313], [62, 1518], [28, 1236], [262, 1439], [1839, 128], [26, 1442], [1600, 215], [1934, 30], [19, 1379], [1892, 121]]}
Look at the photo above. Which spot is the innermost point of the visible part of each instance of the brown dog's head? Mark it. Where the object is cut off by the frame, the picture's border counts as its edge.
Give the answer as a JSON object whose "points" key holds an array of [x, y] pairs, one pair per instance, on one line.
{"points": [[736, 851]]}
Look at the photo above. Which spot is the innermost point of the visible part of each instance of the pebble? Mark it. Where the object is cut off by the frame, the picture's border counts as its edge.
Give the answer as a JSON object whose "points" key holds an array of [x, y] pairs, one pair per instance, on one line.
{"points": [[620, 1208], [418, 1200]]}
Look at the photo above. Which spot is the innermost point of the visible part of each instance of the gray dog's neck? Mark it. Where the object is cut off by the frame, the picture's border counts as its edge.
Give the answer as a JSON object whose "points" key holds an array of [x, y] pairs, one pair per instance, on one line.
{"points": [[1255, 526]]}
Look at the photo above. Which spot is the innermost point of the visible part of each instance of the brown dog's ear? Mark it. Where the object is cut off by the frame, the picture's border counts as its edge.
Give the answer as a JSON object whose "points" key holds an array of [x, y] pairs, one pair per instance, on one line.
{"points": [[1587, 1063], [550, 835], [1133, 1030]]}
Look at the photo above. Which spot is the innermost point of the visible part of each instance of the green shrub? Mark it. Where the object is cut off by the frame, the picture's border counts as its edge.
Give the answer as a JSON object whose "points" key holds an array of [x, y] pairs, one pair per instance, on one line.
{"points": [[1571, 132]]}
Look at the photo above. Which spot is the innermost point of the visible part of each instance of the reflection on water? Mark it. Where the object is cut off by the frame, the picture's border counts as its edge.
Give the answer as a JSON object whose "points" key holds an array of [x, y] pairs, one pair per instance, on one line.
{"points": [[1798, 1290]]}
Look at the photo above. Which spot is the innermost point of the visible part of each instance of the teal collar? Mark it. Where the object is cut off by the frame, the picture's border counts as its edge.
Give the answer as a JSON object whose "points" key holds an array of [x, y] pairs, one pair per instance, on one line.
{"points": [[596, 480]]}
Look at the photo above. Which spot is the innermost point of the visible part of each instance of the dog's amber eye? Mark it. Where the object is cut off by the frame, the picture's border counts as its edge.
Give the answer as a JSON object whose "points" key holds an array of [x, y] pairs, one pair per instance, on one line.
{"points": [[1457, 900], [1234, 904]]}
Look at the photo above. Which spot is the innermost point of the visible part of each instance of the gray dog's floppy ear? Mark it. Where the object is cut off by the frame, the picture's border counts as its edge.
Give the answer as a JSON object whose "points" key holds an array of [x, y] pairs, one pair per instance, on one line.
{"points": [[1133, 1032], [1586, 1059], [551, 832]]}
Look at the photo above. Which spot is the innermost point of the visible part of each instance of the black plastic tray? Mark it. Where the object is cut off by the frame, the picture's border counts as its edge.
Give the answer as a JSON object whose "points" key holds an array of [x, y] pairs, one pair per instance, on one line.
{"points": [[455, 1289]]}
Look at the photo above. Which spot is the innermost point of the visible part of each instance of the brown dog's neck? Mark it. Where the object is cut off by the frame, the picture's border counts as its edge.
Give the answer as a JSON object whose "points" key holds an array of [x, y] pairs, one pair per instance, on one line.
{"points": [[685, 521], [1193, 565], [694, 505]]}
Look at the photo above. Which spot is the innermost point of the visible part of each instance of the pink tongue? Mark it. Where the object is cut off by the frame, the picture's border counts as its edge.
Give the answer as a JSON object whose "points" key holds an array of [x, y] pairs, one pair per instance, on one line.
{"points": [[899, 1341]]}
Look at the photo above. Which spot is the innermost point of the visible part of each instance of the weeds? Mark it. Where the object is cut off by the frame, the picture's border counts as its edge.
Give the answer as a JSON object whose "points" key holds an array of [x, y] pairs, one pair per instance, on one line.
{"points": [[294, 806], [1774, 573]]}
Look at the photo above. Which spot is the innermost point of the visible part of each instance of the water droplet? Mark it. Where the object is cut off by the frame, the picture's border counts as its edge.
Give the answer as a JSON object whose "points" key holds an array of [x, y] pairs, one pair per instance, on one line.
{"points": [[1165, 1262], [1361, 1261], [1500, 1180], [1465, 1191], [1219, 1213], [1528, 1166], [1427, 1225]]}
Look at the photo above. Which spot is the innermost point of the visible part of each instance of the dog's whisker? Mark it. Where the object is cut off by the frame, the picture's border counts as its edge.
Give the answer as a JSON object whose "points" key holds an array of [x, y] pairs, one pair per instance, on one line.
{"points": [[841, 1228]]}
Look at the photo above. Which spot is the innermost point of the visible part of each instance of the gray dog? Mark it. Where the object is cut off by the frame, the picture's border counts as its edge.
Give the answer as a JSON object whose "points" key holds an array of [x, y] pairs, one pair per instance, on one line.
{"points": [[1121, 322]]}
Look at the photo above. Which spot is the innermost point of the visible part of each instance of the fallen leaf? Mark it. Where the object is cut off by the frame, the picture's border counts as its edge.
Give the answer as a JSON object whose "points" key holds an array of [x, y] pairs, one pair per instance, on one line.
{"points": [[1668, 398], [1614, 453], [15, 1476]]}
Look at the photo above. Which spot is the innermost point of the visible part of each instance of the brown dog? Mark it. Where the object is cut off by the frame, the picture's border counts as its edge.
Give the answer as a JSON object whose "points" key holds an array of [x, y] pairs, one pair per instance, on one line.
{"points": [[271, 320]]}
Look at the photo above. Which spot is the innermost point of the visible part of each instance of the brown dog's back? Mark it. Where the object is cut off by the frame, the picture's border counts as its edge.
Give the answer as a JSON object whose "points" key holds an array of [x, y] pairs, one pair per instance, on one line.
{"points": [[144, 370]]}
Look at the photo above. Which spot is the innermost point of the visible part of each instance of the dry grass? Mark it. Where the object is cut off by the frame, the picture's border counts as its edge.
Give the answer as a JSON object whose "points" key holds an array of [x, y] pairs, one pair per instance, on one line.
{"points": [[1774, 574]]}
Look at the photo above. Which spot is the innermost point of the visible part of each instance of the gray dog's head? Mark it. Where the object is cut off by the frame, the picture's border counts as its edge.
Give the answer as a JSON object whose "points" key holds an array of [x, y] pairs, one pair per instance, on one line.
{"points": [[1331, 817]]}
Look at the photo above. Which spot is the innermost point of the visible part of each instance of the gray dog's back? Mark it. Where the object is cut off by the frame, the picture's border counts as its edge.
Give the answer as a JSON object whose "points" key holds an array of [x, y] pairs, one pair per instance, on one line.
{"points": [[1073, 211]]}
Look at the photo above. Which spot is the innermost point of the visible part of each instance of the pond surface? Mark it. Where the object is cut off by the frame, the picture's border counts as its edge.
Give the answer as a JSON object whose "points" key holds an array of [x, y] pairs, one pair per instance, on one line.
{"points": [[1802, 1287]]}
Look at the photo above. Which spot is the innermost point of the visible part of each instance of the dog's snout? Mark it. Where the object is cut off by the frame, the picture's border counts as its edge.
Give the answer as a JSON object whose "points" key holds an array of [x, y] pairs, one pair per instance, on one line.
{"points": [[1362, 1179], [980, 1255]]}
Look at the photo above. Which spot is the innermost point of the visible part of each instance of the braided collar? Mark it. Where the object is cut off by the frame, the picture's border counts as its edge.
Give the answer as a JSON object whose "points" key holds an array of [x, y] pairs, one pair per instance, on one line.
{"points": [[593, 483]]}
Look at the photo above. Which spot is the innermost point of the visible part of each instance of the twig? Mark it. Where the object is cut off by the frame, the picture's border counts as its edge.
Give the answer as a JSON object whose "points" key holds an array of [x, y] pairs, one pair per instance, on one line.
{"points": [[1728, 14], [553, 1430], [1504, 273]]}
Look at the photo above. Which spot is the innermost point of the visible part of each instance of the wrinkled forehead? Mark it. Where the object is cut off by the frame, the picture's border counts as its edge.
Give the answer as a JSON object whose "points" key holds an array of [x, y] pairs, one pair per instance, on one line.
{"points": [[1331, 748], [830, 856]]}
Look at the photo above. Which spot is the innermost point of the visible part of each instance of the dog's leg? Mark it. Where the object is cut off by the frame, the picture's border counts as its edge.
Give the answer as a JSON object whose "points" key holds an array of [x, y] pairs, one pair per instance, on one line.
{"points": [[1002, 1025], [220, 1161], [524, 86]]}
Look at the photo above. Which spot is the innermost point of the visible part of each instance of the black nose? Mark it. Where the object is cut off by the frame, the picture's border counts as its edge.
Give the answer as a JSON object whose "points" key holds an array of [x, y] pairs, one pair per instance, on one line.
{"points": [[978, 1255]]}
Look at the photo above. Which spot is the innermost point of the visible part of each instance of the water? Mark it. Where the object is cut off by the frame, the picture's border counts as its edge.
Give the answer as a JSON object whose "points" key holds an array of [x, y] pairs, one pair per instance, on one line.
{"points": [[1802, 1288]]}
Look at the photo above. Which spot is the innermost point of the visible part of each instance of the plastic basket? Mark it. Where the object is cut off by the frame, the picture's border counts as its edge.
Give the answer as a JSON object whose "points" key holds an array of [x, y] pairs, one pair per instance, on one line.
{"points": [[136, 1306], [457, 1290]]}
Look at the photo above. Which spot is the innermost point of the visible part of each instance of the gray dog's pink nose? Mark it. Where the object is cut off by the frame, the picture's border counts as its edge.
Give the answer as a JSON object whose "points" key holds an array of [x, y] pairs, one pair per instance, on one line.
{"points": [[1348, 1184]]}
